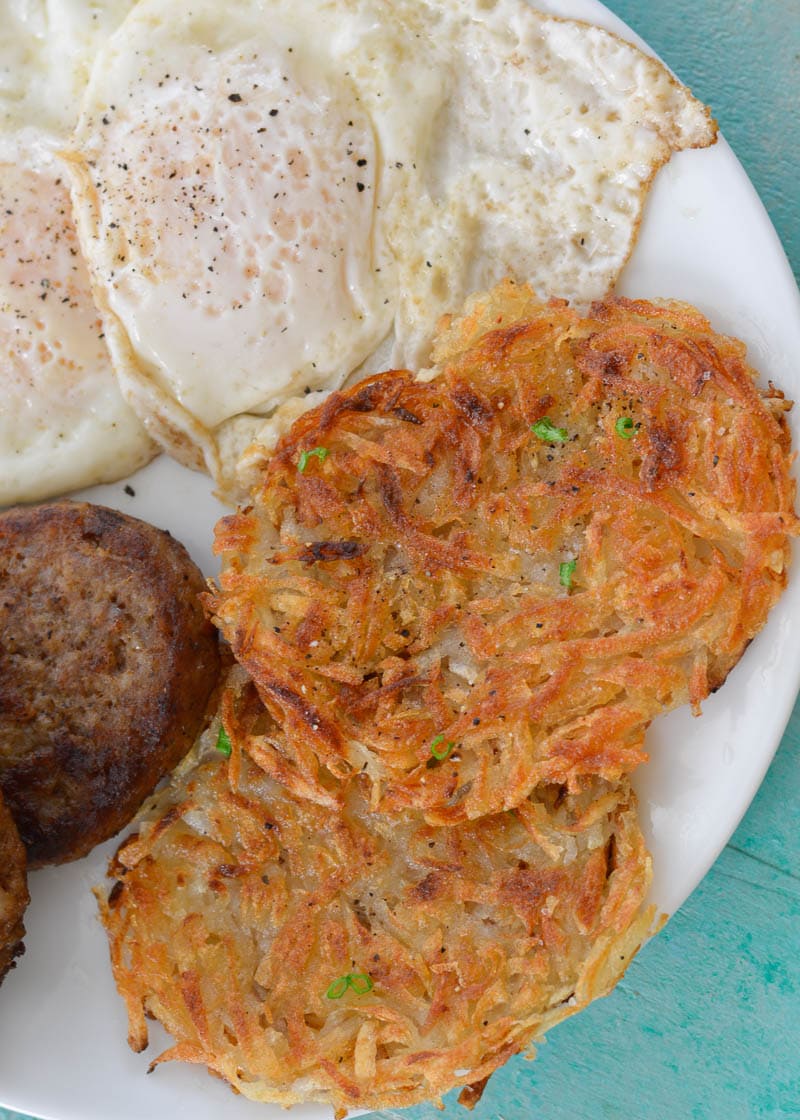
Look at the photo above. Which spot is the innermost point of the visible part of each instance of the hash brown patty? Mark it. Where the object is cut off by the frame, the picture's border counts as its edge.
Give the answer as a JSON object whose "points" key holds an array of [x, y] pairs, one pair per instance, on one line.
{"points": [[106, 667], [304, 953], [14, 897], [574, 524]]}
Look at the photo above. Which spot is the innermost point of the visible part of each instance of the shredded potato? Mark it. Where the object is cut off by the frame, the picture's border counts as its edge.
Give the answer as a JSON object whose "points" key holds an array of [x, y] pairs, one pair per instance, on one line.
{"points": [[14, 896], [570, 525], [239, 911]]}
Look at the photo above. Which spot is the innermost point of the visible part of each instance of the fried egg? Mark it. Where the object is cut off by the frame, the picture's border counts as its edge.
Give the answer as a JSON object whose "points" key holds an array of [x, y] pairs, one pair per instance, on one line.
{"points": [[64, 422], [226, 198], [274, 196], [46, 51], [536, 164]]}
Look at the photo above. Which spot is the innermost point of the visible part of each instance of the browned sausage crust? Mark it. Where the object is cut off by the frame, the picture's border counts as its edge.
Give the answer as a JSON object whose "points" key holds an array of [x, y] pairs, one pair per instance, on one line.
{"points": [[14, 895], [106, 667]]}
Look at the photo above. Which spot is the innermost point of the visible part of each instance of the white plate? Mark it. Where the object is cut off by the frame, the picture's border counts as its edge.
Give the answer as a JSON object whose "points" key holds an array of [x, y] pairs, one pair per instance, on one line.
{"points": [[707, 239]]}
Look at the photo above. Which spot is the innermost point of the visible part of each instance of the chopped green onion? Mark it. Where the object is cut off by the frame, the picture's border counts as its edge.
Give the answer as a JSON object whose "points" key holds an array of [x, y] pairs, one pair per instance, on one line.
{"points": [[224, 743], [321, 453], [625, 427], [337, 989], [548, 432], [439, 754], [565, 571], [358, 981]]}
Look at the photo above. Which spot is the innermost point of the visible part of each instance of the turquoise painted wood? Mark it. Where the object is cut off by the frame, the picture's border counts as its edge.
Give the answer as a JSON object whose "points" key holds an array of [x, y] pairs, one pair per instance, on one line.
{"points": [[706, 1024]]}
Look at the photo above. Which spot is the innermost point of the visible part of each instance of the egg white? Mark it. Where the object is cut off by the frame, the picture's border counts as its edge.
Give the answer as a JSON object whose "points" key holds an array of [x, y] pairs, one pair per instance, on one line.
{"points": [[46, 51], [226, 189], [64, 423], [536, 164], [274, 196]]}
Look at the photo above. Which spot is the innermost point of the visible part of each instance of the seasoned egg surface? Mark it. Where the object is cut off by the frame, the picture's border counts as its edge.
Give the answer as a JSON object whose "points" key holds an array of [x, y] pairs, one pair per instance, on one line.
{"points": [[226, 196], [46, 52], [276, 194], [64, 423]]}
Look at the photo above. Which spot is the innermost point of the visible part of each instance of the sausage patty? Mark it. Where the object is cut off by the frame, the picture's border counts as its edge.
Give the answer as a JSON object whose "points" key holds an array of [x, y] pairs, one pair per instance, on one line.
{"points": [[106, 667], [14, 895]]}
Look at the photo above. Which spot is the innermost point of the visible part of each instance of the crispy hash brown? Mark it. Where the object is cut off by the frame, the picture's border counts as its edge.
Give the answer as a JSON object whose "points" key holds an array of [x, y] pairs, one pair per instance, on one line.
{"points": [[240, 911], [575, 524], [14, 897]]}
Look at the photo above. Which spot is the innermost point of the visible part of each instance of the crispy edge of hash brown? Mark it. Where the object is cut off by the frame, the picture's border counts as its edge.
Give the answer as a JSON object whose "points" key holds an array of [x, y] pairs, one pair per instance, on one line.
{"points": [[14, 896]]}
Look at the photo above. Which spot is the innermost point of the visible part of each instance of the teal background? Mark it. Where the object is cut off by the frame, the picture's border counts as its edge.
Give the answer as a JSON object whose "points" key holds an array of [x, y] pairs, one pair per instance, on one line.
{"points": [[706, 1023]]}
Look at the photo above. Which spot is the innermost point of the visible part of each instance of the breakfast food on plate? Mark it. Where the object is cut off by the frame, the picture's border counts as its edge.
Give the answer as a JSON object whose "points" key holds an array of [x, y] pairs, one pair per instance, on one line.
{"points": [[106, 668], [407, 844], [467, 585], [271, 194], [14, 896], [306, 954], [64, 423]]}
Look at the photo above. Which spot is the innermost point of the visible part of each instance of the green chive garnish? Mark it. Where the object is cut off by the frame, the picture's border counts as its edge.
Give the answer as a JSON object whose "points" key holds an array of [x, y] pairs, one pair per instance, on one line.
{"points": [[439, 753], [224, 743], [358, 981], [548, 432], [565, 571], [338, 988], [625, 428], [321, 453]]}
